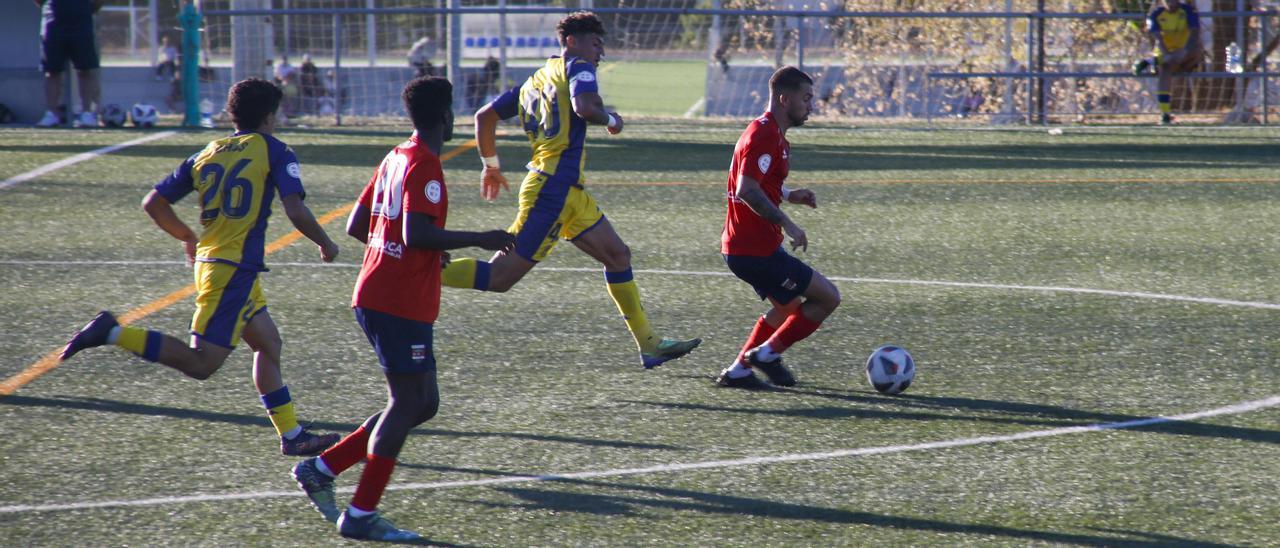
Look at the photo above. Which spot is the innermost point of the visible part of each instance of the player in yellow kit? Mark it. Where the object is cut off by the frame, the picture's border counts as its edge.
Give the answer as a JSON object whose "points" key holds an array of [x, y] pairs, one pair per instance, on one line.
{"points": [[1175, 30], [555, 105], [236, 178]]}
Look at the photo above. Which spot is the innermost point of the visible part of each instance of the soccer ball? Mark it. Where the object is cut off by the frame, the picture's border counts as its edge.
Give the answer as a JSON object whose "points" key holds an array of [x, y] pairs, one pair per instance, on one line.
{"points": [[113, 115], [143, 115], [890, 369]]}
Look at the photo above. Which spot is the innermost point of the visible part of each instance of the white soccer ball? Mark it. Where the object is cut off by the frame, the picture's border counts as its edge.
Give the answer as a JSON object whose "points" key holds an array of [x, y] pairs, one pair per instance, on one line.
{"points": [[113, 116], [143, 115], [890, 369]]}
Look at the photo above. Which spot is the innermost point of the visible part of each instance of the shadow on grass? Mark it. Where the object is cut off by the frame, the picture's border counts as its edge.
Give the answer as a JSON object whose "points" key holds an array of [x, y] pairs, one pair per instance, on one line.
{"points": [[1013, 412], [110, 406], [685, 500]]}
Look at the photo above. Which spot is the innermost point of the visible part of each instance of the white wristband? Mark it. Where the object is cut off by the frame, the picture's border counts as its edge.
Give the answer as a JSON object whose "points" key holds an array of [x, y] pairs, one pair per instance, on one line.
{"points": [[786, 192], [490, 161], [613, 122]]}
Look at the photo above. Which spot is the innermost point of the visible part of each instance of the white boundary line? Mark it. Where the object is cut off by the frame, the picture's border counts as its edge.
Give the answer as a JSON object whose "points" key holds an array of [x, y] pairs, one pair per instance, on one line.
{"points": [[21, 178], [971, 285], [1238, 408], [1233, 409]]}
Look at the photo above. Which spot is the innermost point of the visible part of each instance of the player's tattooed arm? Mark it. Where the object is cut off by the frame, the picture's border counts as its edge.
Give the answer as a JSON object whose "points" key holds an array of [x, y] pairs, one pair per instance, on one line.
{"points": [[750, 193]]}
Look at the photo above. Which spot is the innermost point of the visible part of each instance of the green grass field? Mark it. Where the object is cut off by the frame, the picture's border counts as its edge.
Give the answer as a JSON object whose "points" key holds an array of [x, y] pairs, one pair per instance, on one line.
{"points": [[544, 380]]}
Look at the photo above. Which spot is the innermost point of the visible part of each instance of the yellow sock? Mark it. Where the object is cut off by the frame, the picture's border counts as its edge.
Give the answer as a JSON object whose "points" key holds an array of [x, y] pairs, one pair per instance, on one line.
{"points": [[280, 410], [133, 339], [626, 294], [1163, 97], [466, 274]]}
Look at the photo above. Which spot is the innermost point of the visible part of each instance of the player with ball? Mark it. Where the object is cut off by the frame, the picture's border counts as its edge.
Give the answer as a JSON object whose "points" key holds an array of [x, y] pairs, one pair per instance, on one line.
{"points": [[752, 239]]}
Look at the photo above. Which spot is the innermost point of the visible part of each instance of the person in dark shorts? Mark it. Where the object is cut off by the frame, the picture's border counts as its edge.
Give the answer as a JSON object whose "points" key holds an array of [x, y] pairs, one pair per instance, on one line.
{"points": [[66, 34]]}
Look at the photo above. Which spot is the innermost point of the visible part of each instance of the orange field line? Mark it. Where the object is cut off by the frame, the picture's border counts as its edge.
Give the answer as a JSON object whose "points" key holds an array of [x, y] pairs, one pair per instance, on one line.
{"points": [[50, 359]]}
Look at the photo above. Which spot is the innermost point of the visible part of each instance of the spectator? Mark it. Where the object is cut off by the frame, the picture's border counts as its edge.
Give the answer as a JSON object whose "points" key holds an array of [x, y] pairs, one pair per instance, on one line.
{"points": [[284, 69], [168, 59], [482, 86], [1175, 29], [309, 81], [420, 55], [66, 33]]}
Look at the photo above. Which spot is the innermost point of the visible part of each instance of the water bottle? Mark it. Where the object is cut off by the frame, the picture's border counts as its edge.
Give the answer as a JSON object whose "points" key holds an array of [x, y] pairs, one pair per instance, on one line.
{"points": [[1233, 58], [206, 113]]}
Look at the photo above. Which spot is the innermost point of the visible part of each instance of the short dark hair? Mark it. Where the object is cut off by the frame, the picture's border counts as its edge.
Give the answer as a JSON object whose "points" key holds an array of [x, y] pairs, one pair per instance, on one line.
{"points": [[428, 99], [787, 79], [250, 101], [579, 22]]}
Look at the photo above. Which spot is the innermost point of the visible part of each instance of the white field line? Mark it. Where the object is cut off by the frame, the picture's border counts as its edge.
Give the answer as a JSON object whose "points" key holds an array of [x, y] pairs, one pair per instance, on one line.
{"points": [[693, 110], [938, 283], [80, 158], [1234, 409]]}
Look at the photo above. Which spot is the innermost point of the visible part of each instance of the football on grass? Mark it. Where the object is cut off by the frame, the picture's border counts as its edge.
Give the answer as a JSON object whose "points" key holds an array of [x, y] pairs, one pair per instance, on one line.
{"points": [[890, 369], [143, 115]]}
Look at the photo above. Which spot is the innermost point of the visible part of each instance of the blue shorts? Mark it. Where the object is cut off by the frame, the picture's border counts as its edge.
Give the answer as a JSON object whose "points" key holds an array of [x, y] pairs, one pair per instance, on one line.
{"points": [[403, 346], [779, 276], [58, 45]]}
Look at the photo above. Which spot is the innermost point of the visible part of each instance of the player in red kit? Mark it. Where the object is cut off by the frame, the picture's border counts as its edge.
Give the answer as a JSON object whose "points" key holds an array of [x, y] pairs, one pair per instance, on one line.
{"points": [[752, 238], [400, 217]]}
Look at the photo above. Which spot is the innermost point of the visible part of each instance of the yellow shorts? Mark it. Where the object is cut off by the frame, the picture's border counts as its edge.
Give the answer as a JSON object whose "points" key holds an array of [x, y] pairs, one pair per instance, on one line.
{"points": [[551, 210], [227, 297]]}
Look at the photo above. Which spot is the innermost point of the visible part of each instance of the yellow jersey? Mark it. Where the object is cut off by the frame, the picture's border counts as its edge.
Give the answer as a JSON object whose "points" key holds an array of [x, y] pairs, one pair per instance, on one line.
{"points": [[1174, 28], [236, 178], [544, 104]]}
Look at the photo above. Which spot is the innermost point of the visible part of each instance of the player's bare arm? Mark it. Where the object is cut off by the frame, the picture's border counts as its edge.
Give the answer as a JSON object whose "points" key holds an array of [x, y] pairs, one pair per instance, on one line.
{"points": [[421, 231], [358, 223], [491, 179], [803, 196], [750, 193], [162, 213], [590, 107], [300, 215]]}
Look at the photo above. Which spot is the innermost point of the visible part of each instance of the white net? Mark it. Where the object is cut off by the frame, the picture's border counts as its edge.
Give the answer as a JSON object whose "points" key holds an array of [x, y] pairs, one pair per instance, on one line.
{"points": [[662, 62]]}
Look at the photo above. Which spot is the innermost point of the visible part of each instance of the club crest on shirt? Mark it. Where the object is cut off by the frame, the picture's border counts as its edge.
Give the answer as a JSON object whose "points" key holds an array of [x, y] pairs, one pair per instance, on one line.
{"points": [[764, 162], [433, 191], [584, 76], [294, 170]]}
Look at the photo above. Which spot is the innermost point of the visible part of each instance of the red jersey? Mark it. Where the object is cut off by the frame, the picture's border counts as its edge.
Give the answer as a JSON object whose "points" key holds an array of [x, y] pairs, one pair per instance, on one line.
{"points": [[762, 153], [396, 279]]}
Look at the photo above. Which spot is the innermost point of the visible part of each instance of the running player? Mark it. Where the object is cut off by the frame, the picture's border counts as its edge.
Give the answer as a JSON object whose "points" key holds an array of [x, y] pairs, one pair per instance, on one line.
{"points": [[236, 178], [555, 105], [1175, 29], [401, 217], [752, 238]]}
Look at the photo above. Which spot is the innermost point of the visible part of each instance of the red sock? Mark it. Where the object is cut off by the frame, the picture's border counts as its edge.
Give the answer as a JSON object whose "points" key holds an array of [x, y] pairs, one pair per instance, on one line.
{"points": [[792, 331], [373, 481], [759, 334], [348, 452]]}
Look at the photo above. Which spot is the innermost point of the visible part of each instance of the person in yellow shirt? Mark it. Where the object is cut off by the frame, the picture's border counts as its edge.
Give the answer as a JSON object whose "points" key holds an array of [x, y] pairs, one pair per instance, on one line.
{"points": [[1175, 29], [236, 178], [555, 106]]}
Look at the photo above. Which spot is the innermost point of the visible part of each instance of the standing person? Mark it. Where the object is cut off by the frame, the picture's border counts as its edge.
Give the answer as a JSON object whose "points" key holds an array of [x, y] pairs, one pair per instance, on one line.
{"points": [[236, 178], [555, 105], [401, 217], [1175, 29], [168, 59], [752, 237], [66, 33]]}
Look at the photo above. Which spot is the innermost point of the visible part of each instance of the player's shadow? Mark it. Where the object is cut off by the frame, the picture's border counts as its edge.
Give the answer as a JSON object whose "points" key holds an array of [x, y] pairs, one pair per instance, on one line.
{"points": [[685, 500], [110, 406]]}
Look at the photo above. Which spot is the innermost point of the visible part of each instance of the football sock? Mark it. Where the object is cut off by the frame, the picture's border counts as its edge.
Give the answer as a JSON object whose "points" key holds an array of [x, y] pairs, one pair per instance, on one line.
{"points": [[737, 370], [357, 513], [466, 274], [346, 453], [1163, 98], [114, 334], [759, 334], [626, 294], [140, 341], [280, 410], [792, 331], [373, 481], [324, 468], [766, 353]]}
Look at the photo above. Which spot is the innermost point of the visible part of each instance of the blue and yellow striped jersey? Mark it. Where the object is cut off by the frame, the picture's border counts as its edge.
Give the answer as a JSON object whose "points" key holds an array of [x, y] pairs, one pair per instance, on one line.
{"points": [[545, 107], [236, 178], [1174, 27]]}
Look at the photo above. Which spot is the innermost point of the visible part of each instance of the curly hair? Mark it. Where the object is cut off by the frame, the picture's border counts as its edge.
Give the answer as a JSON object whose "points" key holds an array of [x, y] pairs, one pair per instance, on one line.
{"points": [[250, 101], [427, 99], [578, 23]]}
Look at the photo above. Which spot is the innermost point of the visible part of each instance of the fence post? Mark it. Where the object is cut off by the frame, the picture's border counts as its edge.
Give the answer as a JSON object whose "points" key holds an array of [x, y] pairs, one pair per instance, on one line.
{"points": [[1026, 67], [190, 20], [800, 35], [1262, 66], [337, 69], [371, 36], [454, 64], [1040, 91]]}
